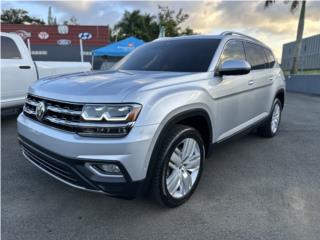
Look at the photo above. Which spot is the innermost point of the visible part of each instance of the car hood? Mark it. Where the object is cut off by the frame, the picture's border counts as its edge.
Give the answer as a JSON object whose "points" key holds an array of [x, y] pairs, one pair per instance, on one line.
{"points": [[103, 86]]}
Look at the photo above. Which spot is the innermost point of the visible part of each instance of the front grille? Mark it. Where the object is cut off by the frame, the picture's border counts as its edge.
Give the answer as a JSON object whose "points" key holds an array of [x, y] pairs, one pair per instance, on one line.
{"points": [[67, 116], [58, 114]]}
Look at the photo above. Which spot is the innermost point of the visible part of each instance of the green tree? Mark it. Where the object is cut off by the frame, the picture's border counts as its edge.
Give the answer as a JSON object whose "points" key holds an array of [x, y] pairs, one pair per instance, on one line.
{"points": [[171, 21], [147, 27], [294, 5], [188, 31], [18, 16], [138, 25], [72, 21]]}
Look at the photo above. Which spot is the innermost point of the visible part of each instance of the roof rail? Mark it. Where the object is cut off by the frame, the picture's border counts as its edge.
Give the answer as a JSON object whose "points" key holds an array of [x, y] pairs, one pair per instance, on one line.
{"points": [[239, 34]]}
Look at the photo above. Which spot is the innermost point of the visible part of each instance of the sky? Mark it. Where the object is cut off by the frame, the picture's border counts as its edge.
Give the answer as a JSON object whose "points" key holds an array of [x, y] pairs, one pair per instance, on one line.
{"points": [[274, 26]]}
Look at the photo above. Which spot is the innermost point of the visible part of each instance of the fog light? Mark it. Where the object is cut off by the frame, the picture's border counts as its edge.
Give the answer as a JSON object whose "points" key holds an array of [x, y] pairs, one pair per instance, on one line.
{"points": [[109, 168], [104, 169]]}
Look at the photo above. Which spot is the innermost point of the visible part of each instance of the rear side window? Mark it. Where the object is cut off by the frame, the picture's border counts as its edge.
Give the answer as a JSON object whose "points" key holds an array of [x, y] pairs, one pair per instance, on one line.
{"points": [[256, 56], [233, 51], [9, 49], [270, 58]]}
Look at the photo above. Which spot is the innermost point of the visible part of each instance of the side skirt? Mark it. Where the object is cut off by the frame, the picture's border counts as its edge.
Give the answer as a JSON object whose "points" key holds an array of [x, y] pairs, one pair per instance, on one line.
{"points": [[238, 134]]}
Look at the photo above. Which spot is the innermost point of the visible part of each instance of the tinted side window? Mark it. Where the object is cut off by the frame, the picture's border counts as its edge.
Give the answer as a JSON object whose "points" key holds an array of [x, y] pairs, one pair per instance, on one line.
{"points": [[233, 50], [9, 49], [255, 56], [270, 57]]}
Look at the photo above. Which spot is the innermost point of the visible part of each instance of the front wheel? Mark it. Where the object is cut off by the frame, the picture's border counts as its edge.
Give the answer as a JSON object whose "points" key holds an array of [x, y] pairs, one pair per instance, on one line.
{"points": [[179, 166], [271, 126]]}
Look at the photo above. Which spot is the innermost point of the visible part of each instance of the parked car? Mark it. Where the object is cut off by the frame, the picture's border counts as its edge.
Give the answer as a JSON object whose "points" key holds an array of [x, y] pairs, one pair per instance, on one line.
{"points": [[19, 71], [149, 123]]}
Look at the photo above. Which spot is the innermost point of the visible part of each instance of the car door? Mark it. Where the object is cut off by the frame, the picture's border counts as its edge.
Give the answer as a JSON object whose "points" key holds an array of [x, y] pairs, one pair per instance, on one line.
{"points": [[17, 72], [262, 79], [232, 96]]}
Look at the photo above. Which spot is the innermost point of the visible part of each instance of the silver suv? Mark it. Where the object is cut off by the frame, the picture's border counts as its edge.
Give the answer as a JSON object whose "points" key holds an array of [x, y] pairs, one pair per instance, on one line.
{"points": [[148, 124]]}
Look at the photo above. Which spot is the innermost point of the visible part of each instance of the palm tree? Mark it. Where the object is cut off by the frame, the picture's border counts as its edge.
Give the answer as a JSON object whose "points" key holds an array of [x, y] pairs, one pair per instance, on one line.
{"points": [[294, 6], [18, 16], [134, 23]]}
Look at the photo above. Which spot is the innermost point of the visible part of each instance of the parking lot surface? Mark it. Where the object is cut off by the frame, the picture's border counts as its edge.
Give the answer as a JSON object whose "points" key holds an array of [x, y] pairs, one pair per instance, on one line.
{"points": [[251, 188]]}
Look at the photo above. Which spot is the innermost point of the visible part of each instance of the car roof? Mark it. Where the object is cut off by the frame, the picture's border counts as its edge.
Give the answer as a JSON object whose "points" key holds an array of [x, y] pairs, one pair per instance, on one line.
{"points": [[221, 36], [192, 37]]}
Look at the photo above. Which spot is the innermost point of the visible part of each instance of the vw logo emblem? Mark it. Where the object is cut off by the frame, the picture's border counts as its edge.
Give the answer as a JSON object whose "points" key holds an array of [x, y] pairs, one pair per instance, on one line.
{"points": [[40, 110]]}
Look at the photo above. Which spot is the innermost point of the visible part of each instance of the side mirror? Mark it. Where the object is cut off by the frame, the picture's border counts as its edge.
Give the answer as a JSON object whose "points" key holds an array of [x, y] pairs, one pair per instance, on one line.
{"points": [[234, 67]]}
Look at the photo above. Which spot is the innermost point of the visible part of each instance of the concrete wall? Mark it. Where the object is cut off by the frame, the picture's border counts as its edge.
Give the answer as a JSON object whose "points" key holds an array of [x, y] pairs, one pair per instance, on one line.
{"points": [[309, 84]]}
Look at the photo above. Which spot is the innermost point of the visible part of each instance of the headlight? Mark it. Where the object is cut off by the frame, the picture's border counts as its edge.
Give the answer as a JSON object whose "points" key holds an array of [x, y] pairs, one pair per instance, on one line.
{"points": [[111, 113], [108, 120]]}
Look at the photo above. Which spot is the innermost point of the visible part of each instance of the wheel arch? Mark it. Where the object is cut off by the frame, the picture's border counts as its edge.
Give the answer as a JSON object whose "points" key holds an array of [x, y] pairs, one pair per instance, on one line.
{"points": [[183, 117], [280, 94]]}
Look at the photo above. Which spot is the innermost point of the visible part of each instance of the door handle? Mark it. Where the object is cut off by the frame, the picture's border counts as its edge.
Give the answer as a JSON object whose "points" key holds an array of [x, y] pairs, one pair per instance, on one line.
{"points": [[250, 82], [24, 67]]}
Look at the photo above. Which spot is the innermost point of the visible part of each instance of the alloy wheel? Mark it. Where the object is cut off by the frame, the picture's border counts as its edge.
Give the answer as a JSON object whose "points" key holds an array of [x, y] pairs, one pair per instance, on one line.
{"points": [[275, 118], [183, 168]]}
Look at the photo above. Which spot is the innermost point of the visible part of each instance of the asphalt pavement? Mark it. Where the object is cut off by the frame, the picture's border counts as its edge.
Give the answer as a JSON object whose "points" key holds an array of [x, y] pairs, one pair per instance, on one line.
{"points": [[251, 188]]}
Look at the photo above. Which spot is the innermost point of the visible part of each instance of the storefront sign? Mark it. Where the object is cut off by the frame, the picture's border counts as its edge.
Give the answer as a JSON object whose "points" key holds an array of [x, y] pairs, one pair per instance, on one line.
{"points": [[64, 42], [43, 35], [39, 53], [63, 29], [85, 36]]}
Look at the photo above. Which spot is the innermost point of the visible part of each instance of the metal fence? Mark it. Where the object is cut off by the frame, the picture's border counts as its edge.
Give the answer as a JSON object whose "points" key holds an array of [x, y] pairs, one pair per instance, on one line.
{"points": [[309, 84]]}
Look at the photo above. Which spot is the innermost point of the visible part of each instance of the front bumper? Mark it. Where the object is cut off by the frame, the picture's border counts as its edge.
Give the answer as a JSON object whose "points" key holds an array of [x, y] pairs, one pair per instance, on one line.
{"points": [[63, 155]]}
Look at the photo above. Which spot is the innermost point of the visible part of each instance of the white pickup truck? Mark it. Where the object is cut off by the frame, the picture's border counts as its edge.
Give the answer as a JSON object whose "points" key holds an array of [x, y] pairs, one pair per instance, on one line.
{"points": [[19, 71]]}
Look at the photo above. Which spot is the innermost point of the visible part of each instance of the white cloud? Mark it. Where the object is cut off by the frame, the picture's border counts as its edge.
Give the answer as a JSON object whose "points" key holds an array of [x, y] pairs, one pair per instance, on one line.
{"points": [[275, 25]]}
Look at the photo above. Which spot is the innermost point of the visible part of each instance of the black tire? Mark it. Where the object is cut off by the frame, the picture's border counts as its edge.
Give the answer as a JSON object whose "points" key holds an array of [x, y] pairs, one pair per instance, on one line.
{"points": [[265, 130], [168, 145]]}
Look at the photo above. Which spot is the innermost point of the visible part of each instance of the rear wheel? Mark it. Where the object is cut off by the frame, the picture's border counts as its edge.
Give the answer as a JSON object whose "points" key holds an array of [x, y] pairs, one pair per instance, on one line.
{"points": [[179, 166], [271, 126]]}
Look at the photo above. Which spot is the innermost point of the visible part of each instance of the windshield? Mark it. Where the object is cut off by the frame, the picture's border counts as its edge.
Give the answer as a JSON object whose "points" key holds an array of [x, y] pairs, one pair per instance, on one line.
{"points": [[180, 55]]}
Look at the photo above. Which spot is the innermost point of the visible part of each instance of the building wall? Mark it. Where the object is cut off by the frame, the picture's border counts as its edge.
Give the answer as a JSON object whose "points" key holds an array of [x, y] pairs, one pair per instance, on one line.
{"points": [[60, 43], [60, 53], [99, 34], [310, 54], [309, 84]]}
